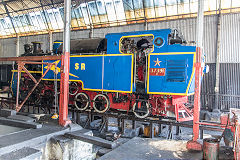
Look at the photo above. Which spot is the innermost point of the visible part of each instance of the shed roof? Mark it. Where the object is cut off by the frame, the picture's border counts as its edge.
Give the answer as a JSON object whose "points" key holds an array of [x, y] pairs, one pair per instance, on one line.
{"points": [[27, 17]]}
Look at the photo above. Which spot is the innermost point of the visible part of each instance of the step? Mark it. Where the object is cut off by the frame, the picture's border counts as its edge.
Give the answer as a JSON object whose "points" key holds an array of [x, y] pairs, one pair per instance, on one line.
{"points": [[23, 154], [91, 139]]}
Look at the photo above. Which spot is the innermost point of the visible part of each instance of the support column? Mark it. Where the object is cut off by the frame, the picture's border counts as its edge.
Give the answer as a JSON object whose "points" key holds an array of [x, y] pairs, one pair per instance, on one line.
{"points": [[145, 19], [64, 86], [193, 144], [17, 46], [50, 41], [215, 107], [91, 32]]}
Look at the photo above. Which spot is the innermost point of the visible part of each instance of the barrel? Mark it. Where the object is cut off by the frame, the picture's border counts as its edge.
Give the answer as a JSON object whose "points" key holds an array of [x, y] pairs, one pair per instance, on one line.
{"points": [[210, 149]]}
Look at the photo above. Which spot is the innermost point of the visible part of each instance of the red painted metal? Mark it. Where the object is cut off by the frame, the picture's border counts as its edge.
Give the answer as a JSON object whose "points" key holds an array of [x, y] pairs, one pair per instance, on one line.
{"points": [[29, 74], [224, 119], [30, 58], [125, 105], [20, 68], [236, 130], [18, 84], [198, 74], [64, 89], [196, 110], [140, 72], [194, 145], [157, 71], [161, 105], [210, 149], [212, 124]]}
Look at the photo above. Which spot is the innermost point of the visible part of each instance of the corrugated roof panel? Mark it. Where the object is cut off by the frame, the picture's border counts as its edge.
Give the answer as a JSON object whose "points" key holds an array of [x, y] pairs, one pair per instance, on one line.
{"points": [[119, 10], [150, 13], [230, 48], [226, 3], [160, 11], [183, 7], [172, 9], [193, 6], [129, 9], [111, 12], [86, 14], [210, 5], [96, 13], [139, 9], [235, 3]]}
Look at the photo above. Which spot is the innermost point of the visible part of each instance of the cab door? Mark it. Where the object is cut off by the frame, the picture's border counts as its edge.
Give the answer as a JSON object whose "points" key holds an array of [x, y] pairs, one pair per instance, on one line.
{"points": [[140, 46]]}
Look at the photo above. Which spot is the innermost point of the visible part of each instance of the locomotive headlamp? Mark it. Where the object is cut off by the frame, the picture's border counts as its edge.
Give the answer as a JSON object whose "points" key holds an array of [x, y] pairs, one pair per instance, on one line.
{"points": [[158, 42]]}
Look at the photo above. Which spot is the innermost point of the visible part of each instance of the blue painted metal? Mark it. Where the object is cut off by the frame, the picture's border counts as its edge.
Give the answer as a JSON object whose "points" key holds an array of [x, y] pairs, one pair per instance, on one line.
{"points": [[178, 72], [114, 71], [56, 45], [14, 84], [113, 39]]}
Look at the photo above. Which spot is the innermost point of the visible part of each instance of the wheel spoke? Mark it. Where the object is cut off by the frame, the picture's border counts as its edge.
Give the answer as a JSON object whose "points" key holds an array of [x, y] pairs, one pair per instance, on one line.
{"points": [[101, 103], [141, 112], [81, 101]]}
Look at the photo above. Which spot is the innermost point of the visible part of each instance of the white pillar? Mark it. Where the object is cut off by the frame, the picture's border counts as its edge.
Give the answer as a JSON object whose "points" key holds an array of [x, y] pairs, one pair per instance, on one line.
{"points": [[50, 41], [17, 46]]}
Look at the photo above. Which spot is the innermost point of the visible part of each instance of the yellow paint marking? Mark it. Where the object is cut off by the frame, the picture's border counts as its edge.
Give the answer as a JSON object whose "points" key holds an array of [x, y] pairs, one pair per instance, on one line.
{"points": [[82, 66], [157, 62], [58, 69]]}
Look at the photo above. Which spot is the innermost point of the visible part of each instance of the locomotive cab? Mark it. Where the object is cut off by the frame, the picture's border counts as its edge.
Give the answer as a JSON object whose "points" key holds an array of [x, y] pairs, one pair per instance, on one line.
{"points": [[146, 44], [140, 47]]}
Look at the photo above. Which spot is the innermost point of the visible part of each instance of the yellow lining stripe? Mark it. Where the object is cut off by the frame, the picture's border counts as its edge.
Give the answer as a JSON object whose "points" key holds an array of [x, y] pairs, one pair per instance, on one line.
{"points": [[101, 89], [141, 35], [172, 53], [194, 60], [28, 71], [11, 82], [100, 55]]}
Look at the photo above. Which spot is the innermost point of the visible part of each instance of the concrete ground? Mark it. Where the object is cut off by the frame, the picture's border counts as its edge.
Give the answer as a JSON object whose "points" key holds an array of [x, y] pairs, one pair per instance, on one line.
{"points": [[160, 147], [17, 143], [28, 142], [157, 148], [4, 129], [30, 137], [151, 149]]}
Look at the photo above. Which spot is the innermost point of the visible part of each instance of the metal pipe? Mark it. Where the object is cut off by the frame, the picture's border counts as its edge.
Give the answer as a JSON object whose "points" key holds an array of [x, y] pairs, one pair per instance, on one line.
{"points": [[215, 107], [30, 58], [198, 69], [135, 70], [18, 84], [17, 45], [64, 82], [212, 124], [18, 107], [145, 18], [193, 144], [50, 40], [67, 25]]}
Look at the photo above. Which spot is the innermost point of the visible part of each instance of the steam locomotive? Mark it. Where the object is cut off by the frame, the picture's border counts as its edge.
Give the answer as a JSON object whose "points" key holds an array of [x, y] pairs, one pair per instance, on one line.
{"points": [[149, 73]]}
